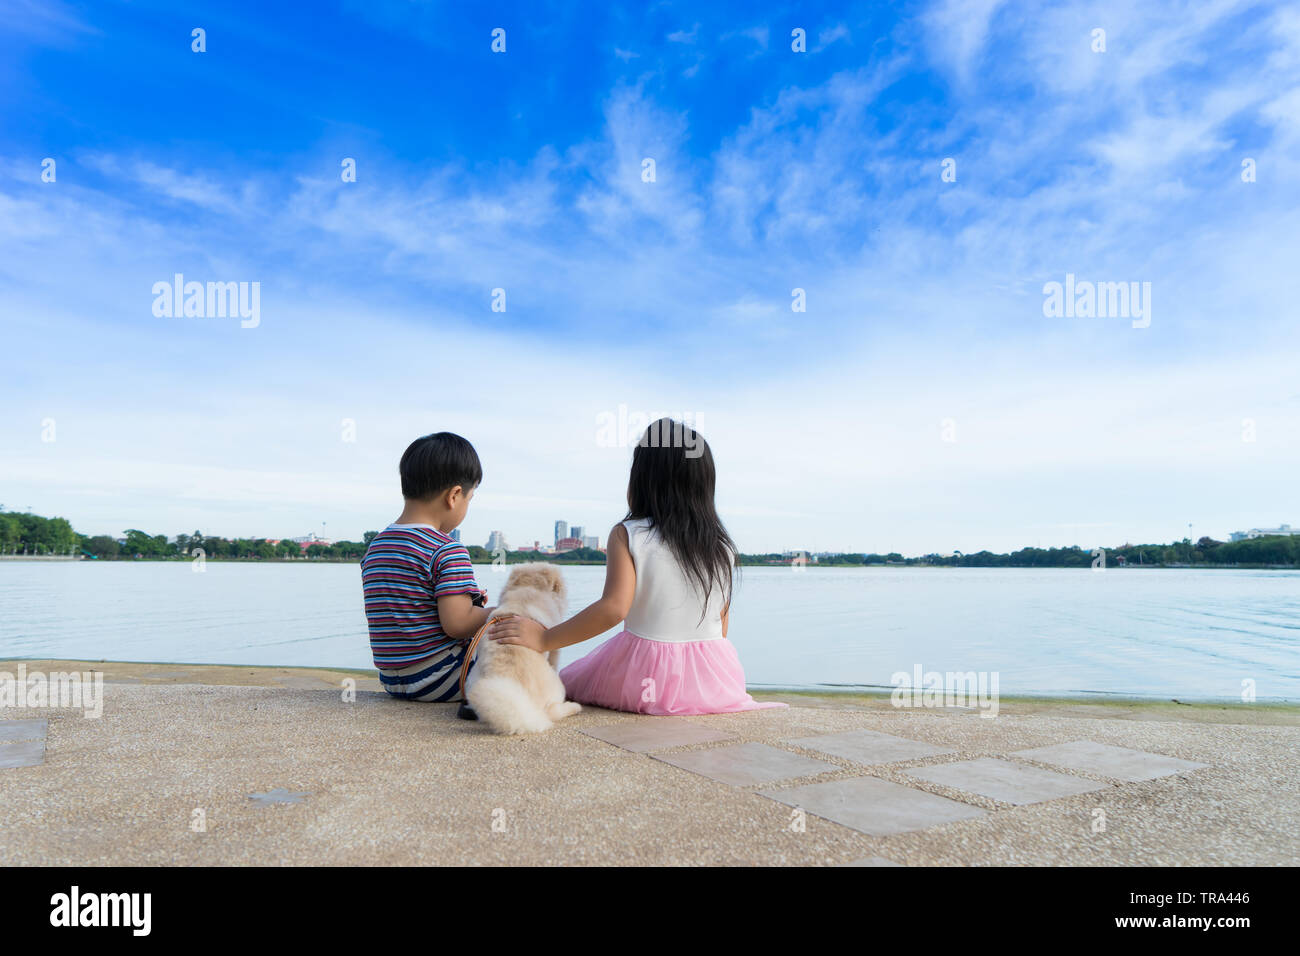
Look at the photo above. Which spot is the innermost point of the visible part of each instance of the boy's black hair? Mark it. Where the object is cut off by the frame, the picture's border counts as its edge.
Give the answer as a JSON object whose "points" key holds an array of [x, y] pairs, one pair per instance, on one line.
{"points": [[435, 463]]}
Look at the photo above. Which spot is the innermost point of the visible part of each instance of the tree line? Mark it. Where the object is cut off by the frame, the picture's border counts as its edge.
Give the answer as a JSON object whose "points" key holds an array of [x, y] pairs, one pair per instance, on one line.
{"points": [[1269, 550], [22, 533], [480, 555]]}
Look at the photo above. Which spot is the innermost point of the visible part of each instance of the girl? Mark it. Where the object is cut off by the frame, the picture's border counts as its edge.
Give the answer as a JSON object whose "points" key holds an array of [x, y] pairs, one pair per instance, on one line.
{"points": [[668, 575]]}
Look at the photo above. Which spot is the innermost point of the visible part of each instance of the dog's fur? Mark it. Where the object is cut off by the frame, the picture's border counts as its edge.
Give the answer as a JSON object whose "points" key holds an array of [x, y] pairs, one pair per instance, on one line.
{"points": [[515, 690]]}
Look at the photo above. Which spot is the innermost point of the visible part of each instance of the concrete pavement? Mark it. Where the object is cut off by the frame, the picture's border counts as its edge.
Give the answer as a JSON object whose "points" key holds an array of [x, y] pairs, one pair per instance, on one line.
{"points": [[196, 765]]}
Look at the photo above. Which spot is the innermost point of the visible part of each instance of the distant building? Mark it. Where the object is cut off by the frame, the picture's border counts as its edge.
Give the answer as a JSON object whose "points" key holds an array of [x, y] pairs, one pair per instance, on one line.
{"points": [[576, 532], [591, 541], [497, 542], [307, 540], [1284, 529], [455, 534], [567, 544], [561, 531], [535, 546]]}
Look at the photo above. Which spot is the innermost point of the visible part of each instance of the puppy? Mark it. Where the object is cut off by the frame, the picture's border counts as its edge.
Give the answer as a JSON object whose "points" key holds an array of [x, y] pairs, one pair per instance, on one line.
{"points": [[515, 690]]}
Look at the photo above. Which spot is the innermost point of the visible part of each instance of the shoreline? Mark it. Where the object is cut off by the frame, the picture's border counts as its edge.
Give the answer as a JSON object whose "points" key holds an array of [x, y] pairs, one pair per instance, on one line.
{"points": [[600, 564], [1199, 710]]}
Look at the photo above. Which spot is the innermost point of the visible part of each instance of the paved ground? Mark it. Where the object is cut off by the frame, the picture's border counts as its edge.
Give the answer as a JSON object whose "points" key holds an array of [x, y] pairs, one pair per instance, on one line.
{"points": [[198, 765]]}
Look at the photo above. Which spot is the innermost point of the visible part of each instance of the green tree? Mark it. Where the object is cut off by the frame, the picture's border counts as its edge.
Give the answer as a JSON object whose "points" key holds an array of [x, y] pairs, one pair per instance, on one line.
{"points": [[139, 543], [102, 546], [11, 533]]}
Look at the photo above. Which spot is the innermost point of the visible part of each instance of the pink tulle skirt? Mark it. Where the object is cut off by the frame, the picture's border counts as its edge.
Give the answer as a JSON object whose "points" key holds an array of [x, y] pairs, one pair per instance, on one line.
{"points": [[657, 677]]}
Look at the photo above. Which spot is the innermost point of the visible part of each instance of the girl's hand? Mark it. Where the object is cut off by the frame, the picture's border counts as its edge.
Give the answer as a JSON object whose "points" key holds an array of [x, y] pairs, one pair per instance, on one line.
{"points": [[523, 631]]}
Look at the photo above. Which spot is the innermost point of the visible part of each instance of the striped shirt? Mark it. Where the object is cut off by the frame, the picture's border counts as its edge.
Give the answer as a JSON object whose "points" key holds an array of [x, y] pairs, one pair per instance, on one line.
{"points": [[405, 570]]}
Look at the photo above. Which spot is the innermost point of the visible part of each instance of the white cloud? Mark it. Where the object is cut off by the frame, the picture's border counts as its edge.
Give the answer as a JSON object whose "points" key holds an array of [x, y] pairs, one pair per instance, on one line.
{"points": [[831, 35], [958, 29], [49, 22]]}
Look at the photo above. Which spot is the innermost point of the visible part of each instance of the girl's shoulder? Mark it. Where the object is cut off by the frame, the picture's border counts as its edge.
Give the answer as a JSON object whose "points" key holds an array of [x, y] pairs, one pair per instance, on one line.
{"points": [[639, 532]]}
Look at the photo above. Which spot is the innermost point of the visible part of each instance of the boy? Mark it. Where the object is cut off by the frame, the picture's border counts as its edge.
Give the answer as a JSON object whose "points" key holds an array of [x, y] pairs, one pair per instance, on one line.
{"points": [[422, 603]]}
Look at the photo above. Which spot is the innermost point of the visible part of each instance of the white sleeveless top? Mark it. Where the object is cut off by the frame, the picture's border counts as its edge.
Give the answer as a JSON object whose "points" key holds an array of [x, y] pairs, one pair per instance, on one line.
{"points": [[667, 604]]}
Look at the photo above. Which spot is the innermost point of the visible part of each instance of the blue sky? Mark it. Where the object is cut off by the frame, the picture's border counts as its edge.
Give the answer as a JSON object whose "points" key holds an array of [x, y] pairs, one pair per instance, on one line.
{"points": [[775, 170]]}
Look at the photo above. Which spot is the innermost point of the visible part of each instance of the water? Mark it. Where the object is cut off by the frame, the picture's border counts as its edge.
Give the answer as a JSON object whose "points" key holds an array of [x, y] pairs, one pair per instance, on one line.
{"points": [[1165, 633]]}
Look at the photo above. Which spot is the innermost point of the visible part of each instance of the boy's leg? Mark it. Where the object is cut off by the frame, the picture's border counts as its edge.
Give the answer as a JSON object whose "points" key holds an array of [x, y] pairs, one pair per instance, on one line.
{"points": [[435, 679]]}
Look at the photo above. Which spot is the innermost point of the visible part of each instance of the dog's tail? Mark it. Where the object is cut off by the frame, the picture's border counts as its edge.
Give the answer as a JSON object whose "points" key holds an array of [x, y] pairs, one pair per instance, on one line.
{"points": [[506, 707]]}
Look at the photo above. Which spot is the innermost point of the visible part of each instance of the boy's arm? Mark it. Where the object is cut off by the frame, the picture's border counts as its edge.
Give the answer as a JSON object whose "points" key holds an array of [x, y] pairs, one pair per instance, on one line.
{"points": [[457, 593], [459, 617]]}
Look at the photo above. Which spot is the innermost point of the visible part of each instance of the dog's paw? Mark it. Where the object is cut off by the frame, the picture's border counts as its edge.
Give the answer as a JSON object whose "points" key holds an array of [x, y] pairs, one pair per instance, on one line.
{"points": [[563, 709], [531, 727]]}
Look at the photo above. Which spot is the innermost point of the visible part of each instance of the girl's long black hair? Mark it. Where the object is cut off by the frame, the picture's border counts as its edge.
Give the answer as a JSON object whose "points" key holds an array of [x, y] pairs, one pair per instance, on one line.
{"points": [[672, 484]]}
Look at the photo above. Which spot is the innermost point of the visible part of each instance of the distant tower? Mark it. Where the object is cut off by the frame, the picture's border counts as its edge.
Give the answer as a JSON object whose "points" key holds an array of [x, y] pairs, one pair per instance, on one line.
{"points": [[576, 531], [561, 530], [455, 534]]}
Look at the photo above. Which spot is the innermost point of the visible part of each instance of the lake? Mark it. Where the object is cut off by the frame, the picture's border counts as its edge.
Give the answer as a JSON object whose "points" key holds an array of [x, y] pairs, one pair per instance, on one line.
{"points": [[1156, 632]]}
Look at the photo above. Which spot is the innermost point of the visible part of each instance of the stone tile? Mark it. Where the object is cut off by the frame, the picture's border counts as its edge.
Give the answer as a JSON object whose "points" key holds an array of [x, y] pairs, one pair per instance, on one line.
{"points": [[28, 753], [874, 806], [1107, 761], [1006, 781], [278, 795], [657, 733], [872, 861], [870, 747], [23, 729], [743, 765]]}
